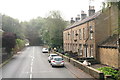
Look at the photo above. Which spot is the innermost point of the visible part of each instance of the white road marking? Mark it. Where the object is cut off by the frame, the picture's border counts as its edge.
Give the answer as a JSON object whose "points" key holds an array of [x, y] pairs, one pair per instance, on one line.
{"points": [[31, 68], [30, 76]]}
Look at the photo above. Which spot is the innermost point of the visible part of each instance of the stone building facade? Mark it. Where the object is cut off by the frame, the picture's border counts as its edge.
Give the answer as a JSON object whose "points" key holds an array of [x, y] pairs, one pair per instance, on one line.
{"points": [[80, 37], [84, 36]]}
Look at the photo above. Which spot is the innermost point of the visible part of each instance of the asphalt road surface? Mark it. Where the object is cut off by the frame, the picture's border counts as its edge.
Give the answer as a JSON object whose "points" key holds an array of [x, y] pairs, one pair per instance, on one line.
{"points": [[32, 63]]}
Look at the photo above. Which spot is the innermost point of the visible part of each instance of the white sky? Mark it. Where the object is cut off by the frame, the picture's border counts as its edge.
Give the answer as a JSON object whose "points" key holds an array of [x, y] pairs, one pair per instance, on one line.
{"points": [[24, 10]]}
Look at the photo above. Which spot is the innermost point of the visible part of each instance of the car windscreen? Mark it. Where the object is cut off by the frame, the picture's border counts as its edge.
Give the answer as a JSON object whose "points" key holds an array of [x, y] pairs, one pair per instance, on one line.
{"points": [[53, 55], [58, 59]]}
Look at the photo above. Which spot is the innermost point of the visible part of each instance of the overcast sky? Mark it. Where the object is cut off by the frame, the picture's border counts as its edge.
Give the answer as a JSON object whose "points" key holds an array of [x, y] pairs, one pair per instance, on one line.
{"points": [[24, 10]]}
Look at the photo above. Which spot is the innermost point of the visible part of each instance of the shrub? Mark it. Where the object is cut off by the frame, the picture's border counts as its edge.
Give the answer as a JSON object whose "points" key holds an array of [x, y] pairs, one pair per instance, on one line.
{"points": [[110, 71], [20, 43], [8, 41]]}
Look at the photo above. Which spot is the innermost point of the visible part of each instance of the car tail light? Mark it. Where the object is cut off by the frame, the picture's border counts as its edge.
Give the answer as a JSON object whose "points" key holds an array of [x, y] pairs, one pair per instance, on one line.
{"points": [[53, 61]]}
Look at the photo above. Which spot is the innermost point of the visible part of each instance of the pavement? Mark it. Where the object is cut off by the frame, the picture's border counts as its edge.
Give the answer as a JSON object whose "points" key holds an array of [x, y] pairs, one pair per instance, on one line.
{"points": [[77, 72]]}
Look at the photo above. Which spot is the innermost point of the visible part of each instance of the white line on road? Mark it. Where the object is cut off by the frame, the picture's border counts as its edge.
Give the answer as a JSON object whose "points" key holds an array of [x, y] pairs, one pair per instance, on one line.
{"points": [[31, 68], [30, 76], [31, 63]]}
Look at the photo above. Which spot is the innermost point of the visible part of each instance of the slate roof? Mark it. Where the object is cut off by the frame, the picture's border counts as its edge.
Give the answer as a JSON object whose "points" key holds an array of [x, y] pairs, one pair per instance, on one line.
{"points": [[84, 20], [110, 42]]}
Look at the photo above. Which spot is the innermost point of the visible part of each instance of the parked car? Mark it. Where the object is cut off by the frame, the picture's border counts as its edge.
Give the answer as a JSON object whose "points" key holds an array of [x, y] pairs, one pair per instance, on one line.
{"points": [[51, 56], [57, 61], [45, 50]]}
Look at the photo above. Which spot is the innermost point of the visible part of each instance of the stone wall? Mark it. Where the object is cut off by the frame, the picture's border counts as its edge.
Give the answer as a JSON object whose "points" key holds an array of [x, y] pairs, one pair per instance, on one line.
{"points": [[106, 23], [109, 56], [93, 72]]}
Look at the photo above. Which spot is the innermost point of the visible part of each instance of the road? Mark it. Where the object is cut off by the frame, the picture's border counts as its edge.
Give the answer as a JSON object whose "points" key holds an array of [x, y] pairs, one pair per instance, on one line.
{"points": [[32, 63]]}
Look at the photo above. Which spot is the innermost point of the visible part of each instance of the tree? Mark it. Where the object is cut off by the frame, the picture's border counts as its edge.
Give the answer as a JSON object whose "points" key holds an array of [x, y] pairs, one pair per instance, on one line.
{"points": [[8, 41], [12, 25], [32, 30], [53, 31]]}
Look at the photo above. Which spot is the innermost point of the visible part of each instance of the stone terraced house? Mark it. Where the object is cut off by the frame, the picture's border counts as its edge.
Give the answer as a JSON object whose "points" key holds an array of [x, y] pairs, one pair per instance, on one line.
{"points": [[85, 37]]}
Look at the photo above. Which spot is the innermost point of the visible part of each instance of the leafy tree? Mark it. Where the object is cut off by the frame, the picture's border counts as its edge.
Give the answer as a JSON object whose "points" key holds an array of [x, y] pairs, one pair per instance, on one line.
{"points": [[12, 25], [19, 44], [53, 31], [47, 30], [32, 30], [8, 41]]}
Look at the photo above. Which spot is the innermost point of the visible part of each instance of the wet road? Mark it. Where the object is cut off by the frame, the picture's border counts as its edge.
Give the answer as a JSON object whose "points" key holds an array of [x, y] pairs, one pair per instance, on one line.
{"points": [[32, 63]]}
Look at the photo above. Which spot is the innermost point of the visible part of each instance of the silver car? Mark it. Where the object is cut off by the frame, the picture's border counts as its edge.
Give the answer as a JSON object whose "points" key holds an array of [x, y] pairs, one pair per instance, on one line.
{"points": [[57, 61], [45, 50], [51, 56]]}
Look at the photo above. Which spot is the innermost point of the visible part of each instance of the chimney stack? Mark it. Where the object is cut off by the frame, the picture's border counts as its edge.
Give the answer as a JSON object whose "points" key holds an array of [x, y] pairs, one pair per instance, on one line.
{"points": [[91, 10], [72, 21], [77, 18], [83, 15]]}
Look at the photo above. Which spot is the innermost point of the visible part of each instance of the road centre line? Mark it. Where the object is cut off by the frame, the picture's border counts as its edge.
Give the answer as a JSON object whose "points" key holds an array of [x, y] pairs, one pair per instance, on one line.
{"points": [[30, 76], [31, 63], [31, 69]]}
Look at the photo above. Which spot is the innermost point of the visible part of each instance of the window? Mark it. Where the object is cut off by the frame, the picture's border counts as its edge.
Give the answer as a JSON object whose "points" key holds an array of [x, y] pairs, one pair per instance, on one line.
{"points": [[91, 50], [90, 28], [83, 33], [68, 35], [73, 48], [76, 33], [80, 34], [80, 49], [76, 48], [91, 33], [85, 50], [91, 36], [73, 34]]}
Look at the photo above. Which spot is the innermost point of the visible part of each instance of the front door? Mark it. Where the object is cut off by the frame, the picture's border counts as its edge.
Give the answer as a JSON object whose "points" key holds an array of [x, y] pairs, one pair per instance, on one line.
{"points": [[85, 51]]}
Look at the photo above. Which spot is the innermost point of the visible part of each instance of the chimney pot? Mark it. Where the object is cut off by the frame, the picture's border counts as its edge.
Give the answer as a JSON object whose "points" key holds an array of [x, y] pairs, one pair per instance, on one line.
{"points": [[72, 21], [91, 10], [77, 18], [83, 15]]}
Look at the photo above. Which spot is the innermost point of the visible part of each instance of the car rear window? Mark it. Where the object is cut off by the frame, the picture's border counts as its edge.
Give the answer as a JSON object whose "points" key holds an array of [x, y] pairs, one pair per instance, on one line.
{"points": [[53, 55], [58, 59]]}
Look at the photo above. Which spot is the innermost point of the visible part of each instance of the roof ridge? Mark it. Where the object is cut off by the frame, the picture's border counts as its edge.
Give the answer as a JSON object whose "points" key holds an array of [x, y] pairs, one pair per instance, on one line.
{"points": [[88, 18]]}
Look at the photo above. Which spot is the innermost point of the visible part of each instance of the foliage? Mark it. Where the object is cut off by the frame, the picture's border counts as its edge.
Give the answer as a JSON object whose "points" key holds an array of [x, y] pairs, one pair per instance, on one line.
{"points": [[8, 41], [12, 25], [53, 29], [110, 71], [48, 31], [38, 31], [32, 30], [20, 43]]}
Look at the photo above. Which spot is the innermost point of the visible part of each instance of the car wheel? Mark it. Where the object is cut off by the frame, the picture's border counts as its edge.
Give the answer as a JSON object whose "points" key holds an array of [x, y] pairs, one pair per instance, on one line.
{"points": [[52, 65]]}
